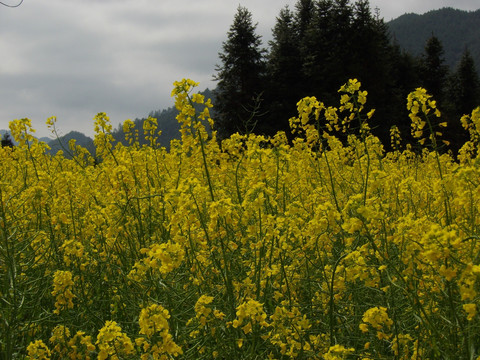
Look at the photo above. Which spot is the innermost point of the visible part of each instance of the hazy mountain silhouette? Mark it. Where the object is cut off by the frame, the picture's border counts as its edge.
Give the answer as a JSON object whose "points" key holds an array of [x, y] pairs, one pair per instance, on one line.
{"points": [[456, 29]]}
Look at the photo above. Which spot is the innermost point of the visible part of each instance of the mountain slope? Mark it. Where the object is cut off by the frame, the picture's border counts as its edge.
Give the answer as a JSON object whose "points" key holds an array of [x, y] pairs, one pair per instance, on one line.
{"points": [[61, 143], [456, 29], [166, 121]]}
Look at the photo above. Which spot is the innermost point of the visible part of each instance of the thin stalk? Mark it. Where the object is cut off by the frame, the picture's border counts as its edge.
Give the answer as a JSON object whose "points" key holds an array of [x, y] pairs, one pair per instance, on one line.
{"points": [[330, 175], [207, 173], [437, 158], [331, 304]]}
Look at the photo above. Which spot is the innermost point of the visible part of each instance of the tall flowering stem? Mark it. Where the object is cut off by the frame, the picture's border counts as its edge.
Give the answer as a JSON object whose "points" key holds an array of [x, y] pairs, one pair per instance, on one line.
{"points": [[191, 122], [353, 101], [423, 109]]}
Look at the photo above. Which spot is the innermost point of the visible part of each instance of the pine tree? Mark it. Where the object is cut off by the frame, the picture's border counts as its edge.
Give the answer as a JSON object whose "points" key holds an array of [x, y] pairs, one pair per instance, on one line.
{"points": [[7, 140], [316, 50], [371, 61], [284, 70], [405, 78], [240, 78], [370, 44], [433, 71], [340, 36], [304, 15], [463, 96], [465, 92]]}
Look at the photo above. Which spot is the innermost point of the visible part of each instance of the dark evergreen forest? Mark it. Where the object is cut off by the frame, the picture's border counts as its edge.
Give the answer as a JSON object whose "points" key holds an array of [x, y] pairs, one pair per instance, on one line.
{"points": [[317, 47]]}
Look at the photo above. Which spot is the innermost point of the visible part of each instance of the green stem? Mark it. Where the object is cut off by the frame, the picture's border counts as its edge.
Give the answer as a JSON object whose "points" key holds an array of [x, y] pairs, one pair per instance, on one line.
{"points": [[437, 158], [330, 175], [207, 173], [332, 302]]}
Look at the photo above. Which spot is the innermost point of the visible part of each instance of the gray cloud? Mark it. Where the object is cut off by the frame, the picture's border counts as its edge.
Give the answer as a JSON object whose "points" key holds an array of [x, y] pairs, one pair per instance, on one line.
{"points": [[74, 58]]}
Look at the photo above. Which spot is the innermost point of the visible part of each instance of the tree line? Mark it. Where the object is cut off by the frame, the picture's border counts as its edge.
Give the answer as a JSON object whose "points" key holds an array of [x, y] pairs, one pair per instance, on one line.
{"points": [[317, 47]]}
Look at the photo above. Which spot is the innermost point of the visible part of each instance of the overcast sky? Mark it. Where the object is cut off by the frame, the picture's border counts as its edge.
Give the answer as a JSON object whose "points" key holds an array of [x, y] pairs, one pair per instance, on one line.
{"points": [[75, 58]]}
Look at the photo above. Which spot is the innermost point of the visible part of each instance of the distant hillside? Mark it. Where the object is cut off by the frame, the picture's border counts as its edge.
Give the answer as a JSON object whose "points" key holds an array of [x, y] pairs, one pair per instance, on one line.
{"points": [[3, 131], [456, 29], [166, 121], [62, 143]]}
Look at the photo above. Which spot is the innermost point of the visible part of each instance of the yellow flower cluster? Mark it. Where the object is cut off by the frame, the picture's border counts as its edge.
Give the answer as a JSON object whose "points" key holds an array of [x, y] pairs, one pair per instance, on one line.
{"points": [[319, 247], [250, 313], [38, 350], [103, 137], [377, 318], [419, 102], [290, 327], [162, 257], [22, 132], [471, 123], [157, 342], [112, 343], [74, 253], [63, 285], [338, 352], [149, 127], [202, 312], [395, 138], [79, 346]]}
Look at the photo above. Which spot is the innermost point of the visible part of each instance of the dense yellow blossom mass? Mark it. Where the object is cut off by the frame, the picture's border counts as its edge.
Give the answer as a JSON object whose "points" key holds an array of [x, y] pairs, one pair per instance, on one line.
{"points": [[253, 248]]}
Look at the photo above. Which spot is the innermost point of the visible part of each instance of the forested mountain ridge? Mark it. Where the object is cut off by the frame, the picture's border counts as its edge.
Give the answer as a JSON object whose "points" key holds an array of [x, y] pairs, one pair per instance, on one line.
{"points": [[456, 29]]}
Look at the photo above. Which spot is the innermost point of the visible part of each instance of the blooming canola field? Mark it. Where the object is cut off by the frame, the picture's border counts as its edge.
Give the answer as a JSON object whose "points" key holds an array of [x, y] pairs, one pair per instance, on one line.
{"points": [[252, 248]]}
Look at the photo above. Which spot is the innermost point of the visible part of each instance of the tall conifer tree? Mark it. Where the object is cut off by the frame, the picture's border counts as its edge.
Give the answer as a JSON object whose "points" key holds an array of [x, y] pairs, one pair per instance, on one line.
{"points": [[284, 71], [340, 40], [405, 78], [433, 70], [466, 85], [7, 140], [240, 78], [304, 14], [371, 61], [463, 95], [316, 49]]}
